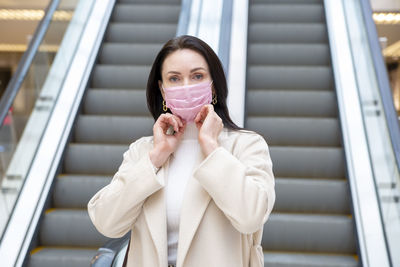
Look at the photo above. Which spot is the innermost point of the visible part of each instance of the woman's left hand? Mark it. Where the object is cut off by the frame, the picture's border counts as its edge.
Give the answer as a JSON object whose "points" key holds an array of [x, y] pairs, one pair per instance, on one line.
{"points": [[210, 126]]}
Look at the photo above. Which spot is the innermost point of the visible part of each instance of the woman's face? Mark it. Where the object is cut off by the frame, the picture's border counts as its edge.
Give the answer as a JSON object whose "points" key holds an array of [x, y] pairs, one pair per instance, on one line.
{"points": [[184, 67]]}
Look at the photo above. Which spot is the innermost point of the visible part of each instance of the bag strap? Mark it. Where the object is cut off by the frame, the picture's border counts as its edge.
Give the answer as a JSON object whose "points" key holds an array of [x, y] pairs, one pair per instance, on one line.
{"points": [[126, 255]]}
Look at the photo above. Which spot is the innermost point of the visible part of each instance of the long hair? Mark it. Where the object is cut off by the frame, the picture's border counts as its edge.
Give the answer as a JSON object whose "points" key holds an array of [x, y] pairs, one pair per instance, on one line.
{"points": [[153, 93]]}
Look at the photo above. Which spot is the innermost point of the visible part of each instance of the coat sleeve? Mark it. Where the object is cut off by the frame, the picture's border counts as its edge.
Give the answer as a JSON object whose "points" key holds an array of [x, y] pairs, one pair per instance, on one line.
{"points": [[115, 208], [242, 186]]}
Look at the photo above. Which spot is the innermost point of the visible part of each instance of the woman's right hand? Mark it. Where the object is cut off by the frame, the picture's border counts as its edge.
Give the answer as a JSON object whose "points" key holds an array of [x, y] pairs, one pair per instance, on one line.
{"points": [[164, 144]]}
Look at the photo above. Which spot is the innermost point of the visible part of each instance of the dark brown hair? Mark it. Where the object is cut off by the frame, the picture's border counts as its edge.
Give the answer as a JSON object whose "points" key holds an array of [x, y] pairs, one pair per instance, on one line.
{"points": [[153, 93]]}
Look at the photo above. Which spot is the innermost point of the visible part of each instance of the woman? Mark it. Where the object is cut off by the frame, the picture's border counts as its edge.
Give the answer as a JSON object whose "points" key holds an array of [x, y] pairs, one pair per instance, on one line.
{"points": [[197, 192]]}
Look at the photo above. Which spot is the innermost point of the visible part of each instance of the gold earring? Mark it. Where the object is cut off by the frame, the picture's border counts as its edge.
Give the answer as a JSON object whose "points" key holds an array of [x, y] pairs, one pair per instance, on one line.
{"points": [[164, 106], [214, 100]]}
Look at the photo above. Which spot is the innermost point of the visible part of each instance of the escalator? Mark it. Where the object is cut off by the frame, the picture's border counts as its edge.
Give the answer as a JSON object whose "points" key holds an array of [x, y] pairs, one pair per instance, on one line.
{"points": [[293, 94], [112, 115], [291, 101]]}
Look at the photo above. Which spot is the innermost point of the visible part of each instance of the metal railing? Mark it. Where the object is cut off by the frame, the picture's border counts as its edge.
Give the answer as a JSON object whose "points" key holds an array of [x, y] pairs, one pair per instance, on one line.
{"points": [[379, 118], [40, 148], [371, 239], [26, 61]]}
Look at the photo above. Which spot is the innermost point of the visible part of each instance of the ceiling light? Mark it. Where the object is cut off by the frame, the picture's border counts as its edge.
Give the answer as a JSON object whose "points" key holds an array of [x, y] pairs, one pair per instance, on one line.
{"points": [[33, 14], [23, 47], [392, 51], [386, 18]]}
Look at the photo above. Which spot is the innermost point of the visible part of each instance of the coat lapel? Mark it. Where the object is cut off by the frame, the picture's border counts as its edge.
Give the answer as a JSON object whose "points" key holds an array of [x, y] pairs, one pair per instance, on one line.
{"points": [[195, 202], [154, 209]]}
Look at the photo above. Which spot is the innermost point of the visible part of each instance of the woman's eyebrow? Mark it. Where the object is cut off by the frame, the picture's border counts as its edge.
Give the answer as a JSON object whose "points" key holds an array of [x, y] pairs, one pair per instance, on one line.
{"points": [[174, 72], [193, 70], [196, 69]]}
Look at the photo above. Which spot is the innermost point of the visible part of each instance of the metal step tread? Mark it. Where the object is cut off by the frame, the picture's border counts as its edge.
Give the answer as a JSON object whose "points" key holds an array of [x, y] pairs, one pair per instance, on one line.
{"points": [[120, 76], [142, 13], [75, 191], [293, 103], [328, 233], [313, 195], [301, 77], [93, 159], [128, 54], [126, 102], [287, 33], [138, 32], [288, 54], [69, 227], [291, 2], [61, 256], [112, 129], [274, 12], [297, 131], [322, 162], [302, 259], [156, 2]]}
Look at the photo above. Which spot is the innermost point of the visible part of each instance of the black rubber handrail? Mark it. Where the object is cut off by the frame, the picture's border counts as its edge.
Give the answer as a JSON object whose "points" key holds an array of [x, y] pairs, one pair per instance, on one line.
{"points": [[382, 79], [18, 78]]}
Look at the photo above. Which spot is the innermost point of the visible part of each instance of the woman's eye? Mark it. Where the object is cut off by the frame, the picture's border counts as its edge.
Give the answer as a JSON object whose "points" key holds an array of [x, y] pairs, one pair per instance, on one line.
{"points": [[198, 76], [173, 79]]}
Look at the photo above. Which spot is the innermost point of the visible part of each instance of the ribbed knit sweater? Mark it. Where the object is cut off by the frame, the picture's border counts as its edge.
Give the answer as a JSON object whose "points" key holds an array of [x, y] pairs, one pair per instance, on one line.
{"points": [[180, 171]]}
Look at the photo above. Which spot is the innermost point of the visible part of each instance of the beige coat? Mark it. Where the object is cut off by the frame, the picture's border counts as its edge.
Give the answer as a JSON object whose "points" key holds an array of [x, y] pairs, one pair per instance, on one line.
{"points": [[229, 197]]}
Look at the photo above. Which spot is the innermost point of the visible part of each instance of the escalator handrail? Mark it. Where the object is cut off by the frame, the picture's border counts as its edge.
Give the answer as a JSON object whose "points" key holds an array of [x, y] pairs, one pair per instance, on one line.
{"points": [[225, 34], [18, 78], [382, 79]]}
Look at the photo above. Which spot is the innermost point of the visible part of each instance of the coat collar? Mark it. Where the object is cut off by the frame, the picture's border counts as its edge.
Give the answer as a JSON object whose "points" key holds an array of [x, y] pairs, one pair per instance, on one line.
{"points": [[195, 202]]}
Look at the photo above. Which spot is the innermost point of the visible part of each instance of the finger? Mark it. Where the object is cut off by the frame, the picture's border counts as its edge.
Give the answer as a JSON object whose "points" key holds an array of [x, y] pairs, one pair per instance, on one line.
{"points": [[198, 117], [202, 114], [179, 120], [181, 130], [210, 107], [179, 134], [173, 121], [163, 122]]}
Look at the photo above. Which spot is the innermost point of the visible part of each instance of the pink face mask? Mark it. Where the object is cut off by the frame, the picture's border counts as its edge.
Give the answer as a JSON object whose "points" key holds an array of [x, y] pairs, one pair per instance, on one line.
{"points": [[187, 100]]}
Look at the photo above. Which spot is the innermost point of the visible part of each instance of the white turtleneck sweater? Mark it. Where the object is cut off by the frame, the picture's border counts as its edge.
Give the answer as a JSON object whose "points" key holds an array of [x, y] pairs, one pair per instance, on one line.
{"points": [[180, 171]]}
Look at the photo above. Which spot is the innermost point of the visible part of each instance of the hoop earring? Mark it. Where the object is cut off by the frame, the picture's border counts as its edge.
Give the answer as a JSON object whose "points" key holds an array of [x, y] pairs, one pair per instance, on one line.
{"points": [[214, 100], [164, 106]]}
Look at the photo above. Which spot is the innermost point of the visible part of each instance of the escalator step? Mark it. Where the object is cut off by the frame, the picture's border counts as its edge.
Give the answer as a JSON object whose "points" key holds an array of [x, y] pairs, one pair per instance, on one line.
{"points": [[300, 13], [146, 13], [116, 76], [61, 257], [115, 98], [288, 54], [286, 259], [291, 103], [124, 102], [150, 1], [75, 191], [308, 162], [112, 129], [69, 227], [128, 54], [312, 195], [93, 159], [299, 77], [287, 33], [291, 2], [309, 232], [288, 131], [139, 33]]}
